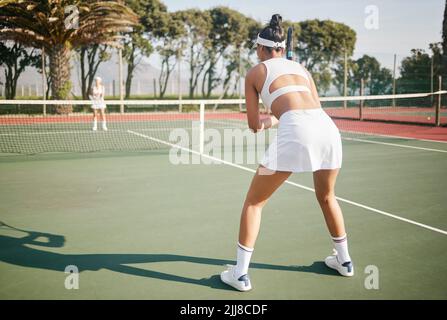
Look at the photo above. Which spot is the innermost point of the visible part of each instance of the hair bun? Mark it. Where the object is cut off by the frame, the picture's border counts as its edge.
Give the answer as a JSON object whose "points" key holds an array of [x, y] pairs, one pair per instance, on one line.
{"points": [[275, 21]]}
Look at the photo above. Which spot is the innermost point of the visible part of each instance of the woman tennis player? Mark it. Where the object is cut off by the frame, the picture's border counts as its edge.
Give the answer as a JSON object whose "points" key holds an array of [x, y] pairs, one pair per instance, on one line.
{"points": [[307, 141], [98, 104]]}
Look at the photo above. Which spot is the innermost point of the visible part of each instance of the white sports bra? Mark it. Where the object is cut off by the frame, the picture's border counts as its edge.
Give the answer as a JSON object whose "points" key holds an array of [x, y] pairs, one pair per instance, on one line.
{"points": [[277, 67]]}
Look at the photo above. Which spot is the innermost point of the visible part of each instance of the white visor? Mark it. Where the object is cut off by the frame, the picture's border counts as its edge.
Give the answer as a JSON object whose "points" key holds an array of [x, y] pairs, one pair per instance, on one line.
{"points": [[270, 43]]}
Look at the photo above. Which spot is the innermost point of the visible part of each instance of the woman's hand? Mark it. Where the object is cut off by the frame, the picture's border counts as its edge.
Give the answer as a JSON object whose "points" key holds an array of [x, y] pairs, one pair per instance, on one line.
{"points": [[267, 123]]}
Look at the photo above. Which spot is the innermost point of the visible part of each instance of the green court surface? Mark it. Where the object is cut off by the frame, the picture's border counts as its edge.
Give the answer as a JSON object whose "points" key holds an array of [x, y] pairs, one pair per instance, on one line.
{"points": [[139, 227]]}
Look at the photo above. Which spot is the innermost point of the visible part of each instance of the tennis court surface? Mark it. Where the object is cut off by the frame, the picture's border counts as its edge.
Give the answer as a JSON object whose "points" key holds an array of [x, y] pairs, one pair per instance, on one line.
{"points": [[138, 226]]}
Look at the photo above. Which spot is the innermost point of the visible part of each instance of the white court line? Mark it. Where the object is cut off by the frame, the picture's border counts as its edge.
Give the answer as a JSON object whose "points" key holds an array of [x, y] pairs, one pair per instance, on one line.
{"points": [[391, 136], [293, 184], [394, 144], [87, 131]]}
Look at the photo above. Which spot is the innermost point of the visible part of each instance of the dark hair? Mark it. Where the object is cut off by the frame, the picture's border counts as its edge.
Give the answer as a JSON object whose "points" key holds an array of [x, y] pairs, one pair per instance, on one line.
{"points": [[273, 32]]}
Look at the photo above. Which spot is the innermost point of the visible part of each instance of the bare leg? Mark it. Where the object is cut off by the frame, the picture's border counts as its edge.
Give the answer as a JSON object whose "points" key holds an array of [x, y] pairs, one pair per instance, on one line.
{"points": [[324, 183], [261, 188], [103, 118], [103, 115], [95, 118]]}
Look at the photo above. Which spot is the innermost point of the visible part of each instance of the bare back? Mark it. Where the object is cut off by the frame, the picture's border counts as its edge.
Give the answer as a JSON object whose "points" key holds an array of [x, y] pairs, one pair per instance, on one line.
{"points": [[288, 101]]}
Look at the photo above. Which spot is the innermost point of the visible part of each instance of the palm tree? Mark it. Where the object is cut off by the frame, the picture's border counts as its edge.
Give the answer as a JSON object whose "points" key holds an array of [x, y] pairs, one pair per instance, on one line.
{"points": [[60, 26]]}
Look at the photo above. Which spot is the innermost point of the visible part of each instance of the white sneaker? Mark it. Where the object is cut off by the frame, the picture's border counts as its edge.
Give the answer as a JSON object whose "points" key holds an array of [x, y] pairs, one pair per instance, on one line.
{"points": [[242, 283], [95, 128], [104, 127], [345, 269]]}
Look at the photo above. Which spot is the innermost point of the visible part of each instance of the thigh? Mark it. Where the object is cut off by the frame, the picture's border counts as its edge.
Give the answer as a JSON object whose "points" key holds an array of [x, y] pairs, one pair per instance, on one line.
{"points": [[263, 185], [324, 181]]}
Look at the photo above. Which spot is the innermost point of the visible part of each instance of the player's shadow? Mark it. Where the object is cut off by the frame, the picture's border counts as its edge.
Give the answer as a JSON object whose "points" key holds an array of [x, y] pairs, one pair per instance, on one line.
{"points": [[23, 252]]}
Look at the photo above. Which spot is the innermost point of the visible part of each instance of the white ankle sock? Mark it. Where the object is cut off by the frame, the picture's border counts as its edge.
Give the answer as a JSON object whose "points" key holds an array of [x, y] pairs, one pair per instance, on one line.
{"points": [[341, 245], [243, 260]]}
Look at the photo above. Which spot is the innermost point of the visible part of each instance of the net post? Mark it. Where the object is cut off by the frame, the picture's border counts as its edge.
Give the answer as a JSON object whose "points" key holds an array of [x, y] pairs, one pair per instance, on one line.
{"points": [[362, 87], [202, 127], [438, 105]]}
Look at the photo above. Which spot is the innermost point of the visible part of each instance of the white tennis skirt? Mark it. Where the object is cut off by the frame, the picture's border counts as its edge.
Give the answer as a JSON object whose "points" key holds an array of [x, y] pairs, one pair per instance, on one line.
{"points": [[98, 105], [307, 140]]}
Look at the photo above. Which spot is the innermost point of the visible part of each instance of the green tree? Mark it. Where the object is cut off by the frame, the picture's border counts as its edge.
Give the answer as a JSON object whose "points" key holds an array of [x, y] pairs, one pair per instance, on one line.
{"points": [[377, 80], [90, 57], [237, 57], [14, 59], [321, 43], [37, 63], [60, 27], [197, 26], [153, 17], [415, 70], [381, 82], [339, 73], [170, 49], [229, 31]]}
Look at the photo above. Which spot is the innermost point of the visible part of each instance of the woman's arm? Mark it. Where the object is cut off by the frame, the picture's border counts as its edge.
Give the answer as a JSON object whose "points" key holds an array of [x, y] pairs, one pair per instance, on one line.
{"points": [[252, 102], [255, 123]]}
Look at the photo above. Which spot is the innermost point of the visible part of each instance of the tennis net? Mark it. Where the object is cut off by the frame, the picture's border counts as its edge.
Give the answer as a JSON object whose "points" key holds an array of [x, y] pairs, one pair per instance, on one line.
{"points": [[35, 126]]}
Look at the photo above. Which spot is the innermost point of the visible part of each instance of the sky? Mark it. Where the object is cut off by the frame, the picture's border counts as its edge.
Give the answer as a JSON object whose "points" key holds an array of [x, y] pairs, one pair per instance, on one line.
{"points": [[402, 24]]}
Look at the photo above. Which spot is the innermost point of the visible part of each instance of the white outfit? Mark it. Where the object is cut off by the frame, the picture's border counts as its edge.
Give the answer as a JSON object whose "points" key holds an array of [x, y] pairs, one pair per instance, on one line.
{"points": [[97, 98], [307, 139]]}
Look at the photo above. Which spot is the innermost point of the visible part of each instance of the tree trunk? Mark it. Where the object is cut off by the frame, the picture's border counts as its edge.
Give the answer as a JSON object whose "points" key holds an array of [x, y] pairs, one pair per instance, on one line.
{"points": [[10, 91], [85, 93], [60, 76]]}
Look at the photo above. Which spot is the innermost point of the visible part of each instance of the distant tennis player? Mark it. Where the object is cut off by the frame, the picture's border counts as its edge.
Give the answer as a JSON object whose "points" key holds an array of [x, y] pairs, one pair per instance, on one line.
{"points": [[98, 104], [307, 141]]}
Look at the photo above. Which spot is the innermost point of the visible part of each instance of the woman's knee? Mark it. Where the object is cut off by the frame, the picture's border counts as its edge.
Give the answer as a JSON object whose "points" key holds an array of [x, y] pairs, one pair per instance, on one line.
{"points": [[256, 202], [324, 197]]}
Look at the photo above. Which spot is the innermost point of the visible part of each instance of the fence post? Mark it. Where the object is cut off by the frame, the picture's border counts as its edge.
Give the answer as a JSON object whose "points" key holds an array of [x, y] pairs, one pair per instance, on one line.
{"points": [[362, 87], [155, 88], [240, 78], [179, 83], [345, 79], [44, 82], [438, 105], [202, 127], [121, 89], [394, 80]]}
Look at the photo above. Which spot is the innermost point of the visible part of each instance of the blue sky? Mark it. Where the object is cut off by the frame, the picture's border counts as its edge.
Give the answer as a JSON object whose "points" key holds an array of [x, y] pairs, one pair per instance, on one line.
{"points": [[403, 24]]}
